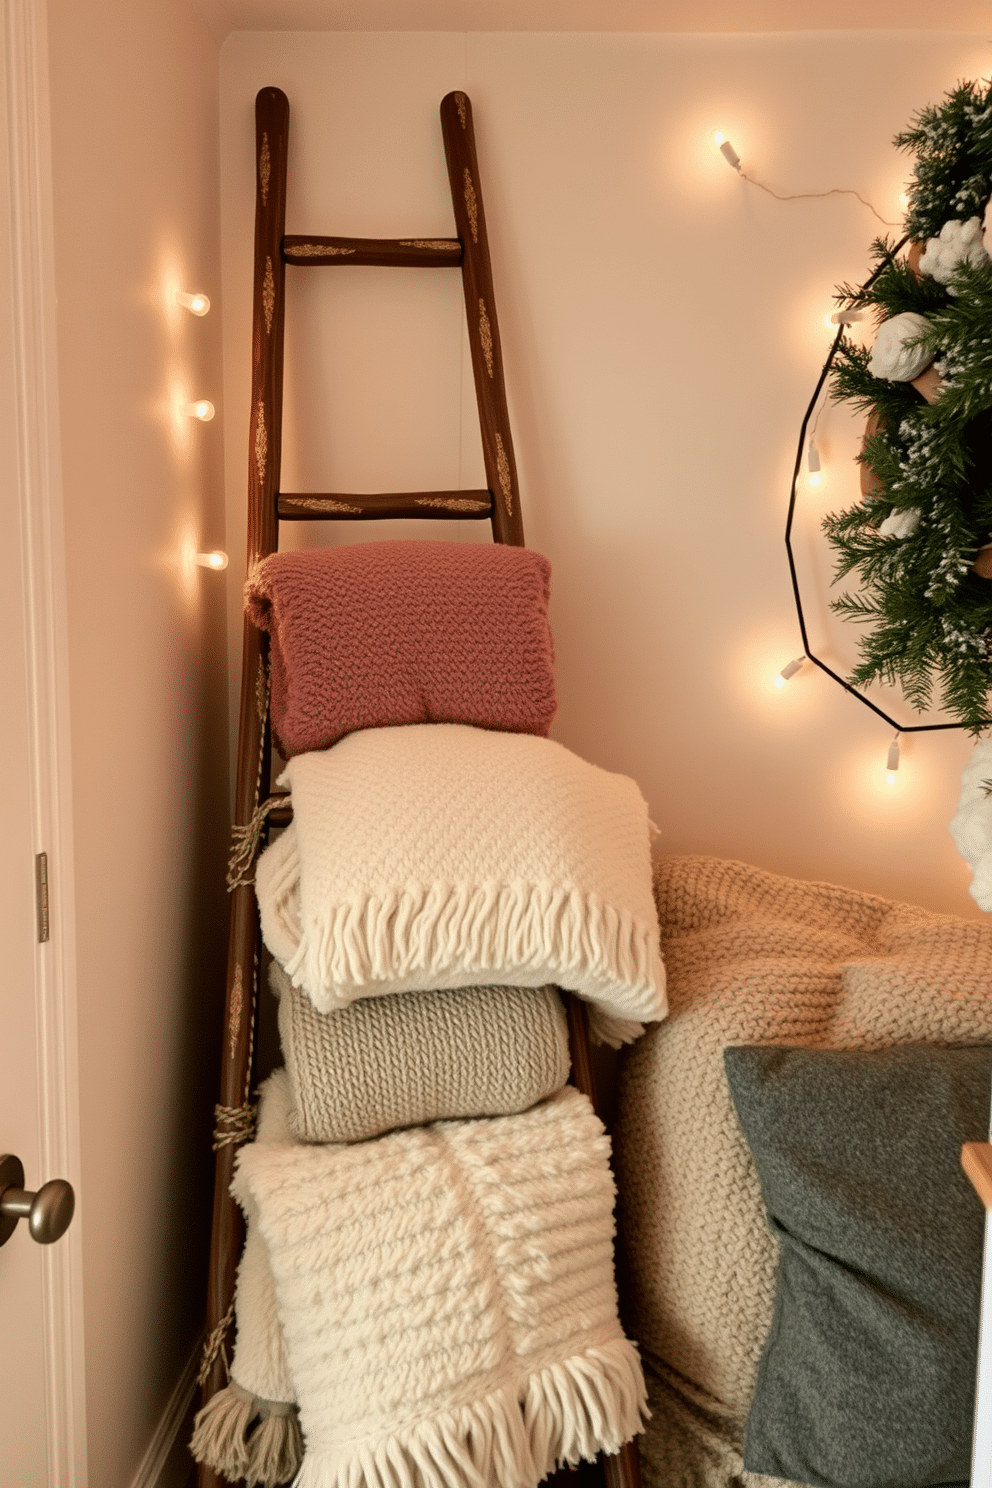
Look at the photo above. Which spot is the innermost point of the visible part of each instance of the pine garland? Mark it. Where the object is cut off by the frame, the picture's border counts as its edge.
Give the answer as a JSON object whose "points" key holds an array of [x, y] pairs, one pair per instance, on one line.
{"points": [[930, 615]]}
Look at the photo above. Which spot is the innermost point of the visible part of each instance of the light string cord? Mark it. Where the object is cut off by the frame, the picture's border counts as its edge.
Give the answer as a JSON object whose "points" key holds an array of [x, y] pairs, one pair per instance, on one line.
{"points": [[900, 728], [811, 195]]}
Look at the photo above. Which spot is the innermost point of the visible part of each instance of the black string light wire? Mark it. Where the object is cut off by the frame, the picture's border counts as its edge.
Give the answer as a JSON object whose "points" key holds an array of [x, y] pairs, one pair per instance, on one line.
{"points": [[900, 728]]}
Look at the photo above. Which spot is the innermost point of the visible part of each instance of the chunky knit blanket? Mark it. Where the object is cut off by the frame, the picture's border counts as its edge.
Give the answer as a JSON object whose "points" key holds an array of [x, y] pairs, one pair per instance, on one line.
{"points": [[440, 1302], [388, 1062], [752, 958], [387, 633], [442, 856]]}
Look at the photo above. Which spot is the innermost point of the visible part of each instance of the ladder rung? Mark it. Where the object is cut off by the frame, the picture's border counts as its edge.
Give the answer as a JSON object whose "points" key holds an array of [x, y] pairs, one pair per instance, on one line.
{"points": [[404, 253], [340, 506], [281, 815]]}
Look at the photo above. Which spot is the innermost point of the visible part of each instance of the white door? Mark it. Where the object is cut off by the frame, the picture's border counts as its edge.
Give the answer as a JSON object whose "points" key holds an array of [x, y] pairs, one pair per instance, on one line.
{"points": [[41, 1420]]}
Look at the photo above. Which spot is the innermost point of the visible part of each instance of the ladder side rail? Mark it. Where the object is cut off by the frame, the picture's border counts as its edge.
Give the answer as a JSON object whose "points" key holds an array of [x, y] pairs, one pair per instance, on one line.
{"points": [[480, 310], [621, 1470], [272, 129]]}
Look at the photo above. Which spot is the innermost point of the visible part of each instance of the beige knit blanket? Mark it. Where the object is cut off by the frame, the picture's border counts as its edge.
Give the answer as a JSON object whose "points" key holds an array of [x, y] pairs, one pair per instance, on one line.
{"points": [[388, 1062], [440, 1303], [441, 856], [751, 958]]}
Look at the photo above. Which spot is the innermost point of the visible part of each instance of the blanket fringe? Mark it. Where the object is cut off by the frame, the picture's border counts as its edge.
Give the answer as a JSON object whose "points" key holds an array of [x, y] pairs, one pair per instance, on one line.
{"points": [[614, 1032], [275, 1449], [220, 1432], [592, 1402], [603, 954], [223, 1441]]}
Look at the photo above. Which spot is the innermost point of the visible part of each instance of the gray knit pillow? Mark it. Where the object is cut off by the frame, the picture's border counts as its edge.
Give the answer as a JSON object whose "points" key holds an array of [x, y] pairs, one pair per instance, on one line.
{"points": [[414, 1057], [867, 1379]]}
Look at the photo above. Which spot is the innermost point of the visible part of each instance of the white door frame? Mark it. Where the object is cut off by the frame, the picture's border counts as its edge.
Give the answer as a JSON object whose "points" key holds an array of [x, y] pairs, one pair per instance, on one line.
{"points": [[25, 83]]}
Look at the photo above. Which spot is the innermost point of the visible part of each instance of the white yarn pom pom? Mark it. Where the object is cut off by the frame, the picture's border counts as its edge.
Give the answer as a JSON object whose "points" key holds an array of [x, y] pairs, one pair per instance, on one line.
{"points": [[956, 243], [891, 357], [900, 523]]}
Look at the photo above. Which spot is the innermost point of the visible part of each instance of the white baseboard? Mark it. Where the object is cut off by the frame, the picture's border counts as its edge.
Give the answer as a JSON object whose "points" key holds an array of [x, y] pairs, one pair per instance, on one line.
{"points": [[167, 1463]]}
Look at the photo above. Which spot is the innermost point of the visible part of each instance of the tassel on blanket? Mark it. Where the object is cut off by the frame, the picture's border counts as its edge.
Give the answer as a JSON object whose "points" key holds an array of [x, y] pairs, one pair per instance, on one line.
{"points": [[220, 1431], [268, 1456], [275, 1447]]}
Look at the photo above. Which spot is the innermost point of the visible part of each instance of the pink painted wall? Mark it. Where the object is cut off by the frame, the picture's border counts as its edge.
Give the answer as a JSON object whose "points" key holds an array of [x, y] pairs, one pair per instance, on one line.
{"points": [[663, 329], [135, 141]]}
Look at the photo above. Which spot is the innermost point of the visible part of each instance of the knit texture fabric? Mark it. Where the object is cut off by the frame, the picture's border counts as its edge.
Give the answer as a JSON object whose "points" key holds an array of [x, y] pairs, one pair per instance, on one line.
{"points": [[443, 856], [387, 633], [388, 1062], [445, 1296], [752, 958]]}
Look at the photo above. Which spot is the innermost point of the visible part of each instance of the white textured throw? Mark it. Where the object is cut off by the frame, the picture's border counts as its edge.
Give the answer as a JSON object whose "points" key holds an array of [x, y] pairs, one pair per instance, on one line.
{"points": [[440, 856], [445, 1295]]}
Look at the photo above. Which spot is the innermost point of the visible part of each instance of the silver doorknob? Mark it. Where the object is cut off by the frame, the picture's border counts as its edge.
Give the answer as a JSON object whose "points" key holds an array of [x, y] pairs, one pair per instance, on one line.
{"points": [[48, 1212]]}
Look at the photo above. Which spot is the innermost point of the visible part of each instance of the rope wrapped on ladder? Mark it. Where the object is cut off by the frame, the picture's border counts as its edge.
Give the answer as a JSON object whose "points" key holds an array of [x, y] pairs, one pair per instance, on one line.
{"points": [[214, 1346], [245, 842], [235, 1125]]}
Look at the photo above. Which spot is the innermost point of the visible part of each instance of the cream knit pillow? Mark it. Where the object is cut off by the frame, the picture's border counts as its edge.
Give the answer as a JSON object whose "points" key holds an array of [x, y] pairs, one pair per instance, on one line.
{"points": [[438, 855], [389, 1062]]}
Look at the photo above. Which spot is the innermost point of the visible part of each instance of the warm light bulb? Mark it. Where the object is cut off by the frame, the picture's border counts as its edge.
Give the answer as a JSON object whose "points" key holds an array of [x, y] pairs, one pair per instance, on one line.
{"points": [[197, 303], [727, 150], [904, 198], [216, 559], [788, 671], [892, 762], [814, 474], [202, 409], [843, 317]]}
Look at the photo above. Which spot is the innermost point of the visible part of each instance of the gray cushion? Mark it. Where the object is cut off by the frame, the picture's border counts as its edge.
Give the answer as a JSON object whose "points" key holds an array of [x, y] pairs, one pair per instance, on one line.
{"points": [[867, 1377]]}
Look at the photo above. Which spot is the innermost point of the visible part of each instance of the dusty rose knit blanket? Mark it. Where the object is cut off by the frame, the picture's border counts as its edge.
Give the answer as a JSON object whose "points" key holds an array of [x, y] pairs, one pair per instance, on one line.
{"points": [[387, 633]]}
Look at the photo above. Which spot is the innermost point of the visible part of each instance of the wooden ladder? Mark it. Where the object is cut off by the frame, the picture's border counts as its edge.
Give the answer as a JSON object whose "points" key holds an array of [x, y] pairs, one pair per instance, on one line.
{"points": [[267, 506]]}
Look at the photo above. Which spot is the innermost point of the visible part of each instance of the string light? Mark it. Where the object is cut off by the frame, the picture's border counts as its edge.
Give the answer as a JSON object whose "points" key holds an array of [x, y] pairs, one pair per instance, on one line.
{"points": [[787, 672], [892, 762], [198, 304], [216, 560], [727, 151], [811, 416], [814, 474], [843, 317], [202, 409], [731, 156]]}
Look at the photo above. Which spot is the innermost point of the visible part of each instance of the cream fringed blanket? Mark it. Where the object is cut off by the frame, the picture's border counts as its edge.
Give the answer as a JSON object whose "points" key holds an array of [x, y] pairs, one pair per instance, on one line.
{"points": [[439, 856], [440, 1302], [752, 959]]}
